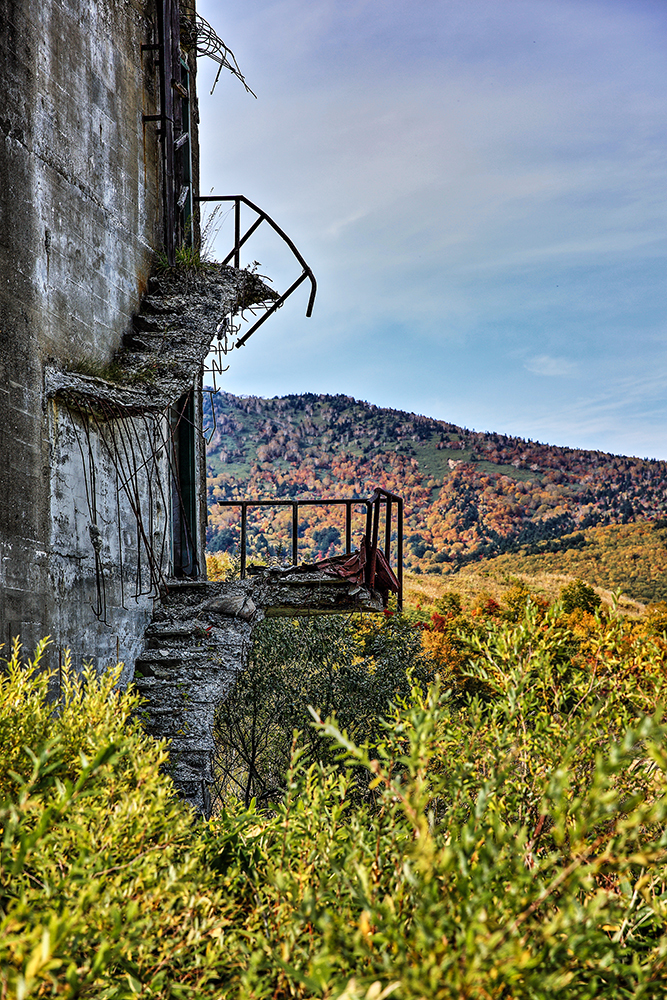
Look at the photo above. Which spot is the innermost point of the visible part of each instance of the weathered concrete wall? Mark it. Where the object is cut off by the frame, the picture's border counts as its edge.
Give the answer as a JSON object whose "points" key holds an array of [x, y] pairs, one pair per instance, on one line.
{"points": [[79, 221], [110, 519], [79, 174]]}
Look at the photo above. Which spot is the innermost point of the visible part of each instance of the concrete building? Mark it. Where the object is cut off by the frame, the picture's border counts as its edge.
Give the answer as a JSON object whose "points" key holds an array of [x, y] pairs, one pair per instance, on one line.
{"points": [[106, 320], [101, 497]]}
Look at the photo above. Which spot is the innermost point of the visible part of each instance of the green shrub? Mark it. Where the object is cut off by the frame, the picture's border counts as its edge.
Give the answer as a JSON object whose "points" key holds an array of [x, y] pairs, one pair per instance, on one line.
{"points": [[517, 847], [579, 596], [517, 598], [353, 669], [512, 846], [102, 884], [449, 603]]}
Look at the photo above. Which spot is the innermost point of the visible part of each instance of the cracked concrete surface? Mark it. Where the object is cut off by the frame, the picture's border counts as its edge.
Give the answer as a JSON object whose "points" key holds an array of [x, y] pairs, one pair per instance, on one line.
{"points": [[162, 354]]}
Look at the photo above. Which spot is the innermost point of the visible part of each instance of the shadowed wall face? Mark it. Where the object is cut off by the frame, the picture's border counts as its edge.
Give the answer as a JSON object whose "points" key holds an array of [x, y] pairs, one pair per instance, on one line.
{"points": [[79, 201]]}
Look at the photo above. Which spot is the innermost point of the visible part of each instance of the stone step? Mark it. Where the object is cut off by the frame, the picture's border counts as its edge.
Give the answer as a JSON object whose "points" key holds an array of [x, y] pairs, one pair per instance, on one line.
{"points": [[167, 667], [170, 298], [192, 671], [206, 625], [156, 305], [146, 323], [171, 629], [137, 342], [174, 586], [190, 744], [172, 658], [194, 648], [155, 287], [168, 635], [196, 794], [165, 654]]}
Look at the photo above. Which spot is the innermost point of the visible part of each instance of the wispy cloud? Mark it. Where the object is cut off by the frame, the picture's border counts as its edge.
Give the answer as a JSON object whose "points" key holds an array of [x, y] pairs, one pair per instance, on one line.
{"points": [[544, 364]]}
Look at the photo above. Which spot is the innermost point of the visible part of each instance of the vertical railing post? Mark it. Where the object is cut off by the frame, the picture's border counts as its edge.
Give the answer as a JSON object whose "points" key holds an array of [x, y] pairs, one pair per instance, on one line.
{"points": [[369, 528], [387, 531], [374, 543], [244, 523], [399, 553], [237, 233], [348, 527], [295, 533]]}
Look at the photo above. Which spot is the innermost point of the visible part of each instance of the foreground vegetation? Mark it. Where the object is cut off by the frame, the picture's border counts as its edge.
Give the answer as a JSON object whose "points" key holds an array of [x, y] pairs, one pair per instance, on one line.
{"points": [[501, 834]]}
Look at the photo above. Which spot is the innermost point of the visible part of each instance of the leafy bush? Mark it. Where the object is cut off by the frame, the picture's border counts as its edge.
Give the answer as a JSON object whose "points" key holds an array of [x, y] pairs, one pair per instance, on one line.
{"points": [[512, 844], [579, 596], [350, 669], [103, 888], [516, 847], [656, 618]]}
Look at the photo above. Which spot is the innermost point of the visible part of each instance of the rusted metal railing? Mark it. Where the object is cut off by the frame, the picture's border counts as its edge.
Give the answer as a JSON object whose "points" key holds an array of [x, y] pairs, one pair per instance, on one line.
{"points": [[380, 502], [235, 254]]}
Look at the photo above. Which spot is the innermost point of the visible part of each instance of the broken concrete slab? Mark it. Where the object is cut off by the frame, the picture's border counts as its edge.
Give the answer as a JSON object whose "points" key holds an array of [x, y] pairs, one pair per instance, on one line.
{"points": [[199, 641]]}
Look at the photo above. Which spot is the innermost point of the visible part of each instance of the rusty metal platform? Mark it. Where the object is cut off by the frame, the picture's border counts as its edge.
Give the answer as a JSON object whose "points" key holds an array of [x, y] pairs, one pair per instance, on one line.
{"points": [[376, 567]]}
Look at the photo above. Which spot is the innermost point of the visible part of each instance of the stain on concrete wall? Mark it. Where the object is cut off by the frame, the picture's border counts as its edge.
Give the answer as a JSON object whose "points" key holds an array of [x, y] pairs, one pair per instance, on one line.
{"points": [[110, 532], [79, 202]]}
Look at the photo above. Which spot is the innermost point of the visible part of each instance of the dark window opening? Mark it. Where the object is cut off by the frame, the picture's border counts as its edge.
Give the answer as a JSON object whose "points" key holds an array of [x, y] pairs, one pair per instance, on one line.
{"points": [[184, 491]]}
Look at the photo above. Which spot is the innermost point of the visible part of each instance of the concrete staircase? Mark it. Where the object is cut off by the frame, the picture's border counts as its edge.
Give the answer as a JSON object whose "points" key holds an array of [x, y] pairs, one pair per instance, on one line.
{"points": [[161, 356], [198, 641], [190, 662]]}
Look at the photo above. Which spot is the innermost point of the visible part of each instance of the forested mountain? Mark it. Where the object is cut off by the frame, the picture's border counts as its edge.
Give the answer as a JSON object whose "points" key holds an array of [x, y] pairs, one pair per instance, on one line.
{"points": [[468, 495]]}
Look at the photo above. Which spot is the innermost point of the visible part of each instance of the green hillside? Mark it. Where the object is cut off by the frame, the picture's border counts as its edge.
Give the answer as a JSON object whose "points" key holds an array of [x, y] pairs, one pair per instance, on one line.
{"points": [[469, 496], [629, 557]]}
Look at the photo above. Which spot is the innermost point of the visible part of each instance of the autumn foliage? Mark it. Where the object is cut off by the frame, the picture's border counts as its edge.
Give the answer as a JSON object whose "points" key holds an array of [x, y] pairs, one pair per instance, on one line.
{"points": [[468, 495]]}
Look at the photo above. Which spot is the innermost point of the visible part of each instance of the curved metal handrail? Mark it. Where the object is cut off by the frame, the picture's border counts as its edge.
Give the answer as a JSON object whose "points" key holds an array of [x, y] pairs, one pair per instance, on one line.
{"points": [[239, 241]]}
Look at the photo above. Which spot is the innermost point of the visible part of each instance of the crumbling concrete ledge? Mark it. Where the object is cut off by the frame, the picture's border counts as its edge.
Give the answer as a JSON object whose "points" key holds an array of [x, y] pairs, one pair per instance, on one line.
{"points": [[199, 641], [161, 356]]}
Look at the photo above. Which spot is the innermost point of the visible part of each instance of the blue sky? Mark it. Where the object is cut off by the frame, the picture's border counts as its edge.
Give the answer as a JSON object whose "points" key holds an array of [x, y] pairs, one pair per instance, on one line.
{"points": [[480, 187]]}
